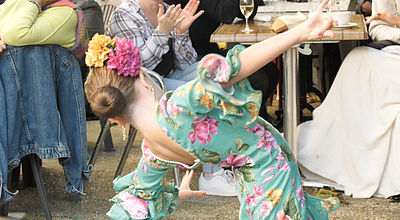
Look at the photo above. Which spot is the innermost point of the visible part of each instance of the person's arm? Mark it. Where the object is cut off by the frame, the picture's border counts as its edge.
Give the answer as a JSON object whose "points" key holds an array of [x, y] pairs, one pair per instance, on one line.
{"points": [[183, 49], [125, 24], [254, 57], [384, 29], [23, 24]]}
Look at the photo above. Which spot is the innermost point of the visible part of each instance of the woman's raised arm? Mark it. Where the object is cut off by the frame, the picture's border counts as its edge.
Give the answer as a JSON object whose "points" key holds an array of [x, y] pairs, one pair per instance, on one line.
{"points": [[254, 57]]}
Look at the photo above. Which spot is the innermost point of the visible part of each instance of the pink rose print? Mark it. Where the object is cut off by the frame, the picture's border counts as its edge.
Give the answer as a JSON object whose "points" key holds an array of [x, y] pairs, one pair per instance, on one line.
{"points": [[218, 68], [251, 200], [264, 207], [258, 190], [269, 178], [268, 142], [162, 105], [236, 161], [173, 109], [284, 166], [136, 207], [250, 212], [300, 193], [144, 167], [203, 127], [269, 169], [282, 216], [147, 152]]}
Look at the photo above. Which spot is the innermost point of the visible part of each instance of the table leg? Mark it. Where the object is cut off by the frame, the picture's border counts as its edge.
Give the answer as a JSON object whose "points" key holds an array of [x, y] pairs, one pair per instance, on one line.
{"points": [[290, 97]]}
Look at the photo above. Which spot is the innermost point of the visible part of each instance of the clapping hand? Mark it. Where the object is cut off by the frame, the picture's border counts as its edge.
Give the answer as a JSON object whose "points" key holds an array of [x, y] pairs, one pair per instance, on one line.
{"points": [[184, 190], [188, 16], [169, 20], [318, 24]]}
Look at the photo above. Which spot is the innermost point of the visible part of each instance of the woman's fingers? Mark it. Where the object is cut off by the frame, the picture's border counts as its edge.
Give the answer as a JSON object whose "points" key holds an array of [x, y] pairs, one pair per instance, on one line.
{"points": [[169, 11], [160, 10], [373, 17]]}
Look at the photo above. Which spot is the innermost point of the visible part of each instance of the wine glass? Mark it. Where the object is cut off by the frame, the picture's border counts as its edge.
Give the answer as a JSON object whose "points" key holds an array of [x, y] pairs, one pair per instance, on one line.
{"points": [[247, 7]]}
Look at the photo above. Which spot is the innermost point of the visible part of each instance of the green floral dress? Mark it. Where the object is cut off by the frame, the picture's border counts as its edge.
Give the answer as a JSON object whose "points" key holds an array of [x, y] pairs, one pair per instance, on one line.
{"points": [[220, 127]]}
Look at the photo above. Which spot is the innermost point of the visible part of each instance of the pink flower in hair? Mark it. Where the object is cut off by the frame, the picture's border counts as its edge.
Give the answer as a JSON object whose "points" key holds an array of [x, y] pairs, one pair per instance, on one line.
{"points": [[125, 58]]}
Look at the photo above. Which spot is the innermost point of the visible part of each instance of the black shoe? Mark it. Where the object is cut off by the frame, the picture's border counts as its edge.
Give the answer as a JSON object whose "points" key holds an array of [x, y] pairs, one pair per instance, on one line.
{"points": [[395, 198]]}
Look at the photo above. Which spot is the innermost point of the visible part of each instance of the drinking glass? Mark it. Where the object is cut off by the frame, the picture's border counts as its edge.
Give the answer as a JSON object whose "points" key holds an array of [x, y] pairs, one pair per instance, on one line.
{"points": [[247, 7]]}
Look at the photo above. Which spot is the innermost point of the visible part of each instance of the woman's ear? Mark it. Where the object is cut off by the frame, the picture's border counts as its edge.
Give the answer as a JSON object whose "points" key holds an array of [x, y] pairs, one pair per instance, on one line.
{"points": [[142, 78], [119, 121]]}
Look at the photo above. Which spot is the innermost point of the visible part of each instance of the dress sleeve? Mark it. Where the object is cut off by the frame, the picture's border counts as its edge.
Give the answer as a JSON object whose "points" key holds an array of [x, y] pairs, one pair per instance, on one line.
{"points": [[237, 105], [144, 193], [24, 25]]}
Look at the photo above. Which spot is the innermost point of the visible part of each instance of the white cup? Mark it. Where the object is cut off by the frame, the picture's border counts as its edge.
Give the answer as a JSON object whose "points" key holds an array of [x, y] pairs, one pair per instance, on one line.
{"points": [[341, 17]]}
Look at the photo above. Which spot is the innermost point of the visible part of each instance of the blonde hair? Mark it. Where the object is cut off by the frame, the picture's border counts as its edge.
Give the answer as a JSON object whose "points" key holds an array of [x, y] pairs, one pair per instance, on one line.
{"points": [[109, 93]]}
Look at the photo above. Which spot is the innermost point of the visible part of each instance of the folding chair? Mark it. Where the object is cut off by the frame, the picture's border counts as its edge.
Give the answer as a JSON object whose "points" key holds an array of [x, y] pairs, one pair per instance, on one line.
{"points": [[34, 162]]}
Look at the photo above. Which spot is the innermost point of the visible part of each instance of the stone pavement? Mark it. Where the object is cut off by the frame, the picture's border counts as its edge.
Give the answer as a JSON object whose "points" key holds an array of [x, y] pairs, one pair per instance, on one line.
{"points": [[95, 203]]}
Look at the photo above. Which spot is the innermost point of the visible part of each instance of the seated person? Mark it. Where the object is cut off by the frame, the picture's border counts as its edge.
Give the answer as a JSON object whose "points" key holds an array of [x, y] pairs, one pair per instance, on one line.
{"points": [[353, 139], [213, 119], [162, 38], [52, 124]]}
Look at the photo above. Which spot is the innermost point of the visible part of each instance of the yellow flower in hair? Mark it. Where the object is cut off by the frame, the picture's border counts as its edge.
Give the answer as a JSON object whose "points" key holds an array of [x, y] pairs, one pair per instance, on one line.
{"points": [[98, 50]]}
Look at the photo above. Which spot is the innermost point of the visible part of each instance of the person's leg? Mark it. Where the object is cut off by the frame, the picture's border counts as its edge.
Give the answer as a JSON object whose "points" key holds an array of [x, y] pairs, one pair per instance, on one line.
{"points": [[180, 77]]}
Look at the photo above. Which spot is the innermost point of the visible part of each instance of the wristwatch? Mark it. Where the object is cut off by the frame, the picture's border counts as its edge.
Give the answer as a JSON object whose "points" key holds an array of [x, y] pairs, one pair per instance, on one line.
{"points": [[36, 3]]}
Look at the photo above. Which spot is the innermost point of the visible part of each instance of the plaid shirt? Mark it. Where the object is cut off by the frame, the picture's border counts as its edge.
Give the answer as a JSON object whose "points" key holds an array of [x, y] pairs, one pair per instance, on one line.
{"points": [[128, 21]]}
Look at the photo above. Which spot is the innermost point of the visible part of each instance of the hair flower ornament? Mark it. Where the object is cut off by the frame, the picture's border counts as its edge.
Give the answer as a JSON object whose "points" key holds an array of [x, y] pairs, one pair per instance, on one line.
{"points": [[119, 54]]}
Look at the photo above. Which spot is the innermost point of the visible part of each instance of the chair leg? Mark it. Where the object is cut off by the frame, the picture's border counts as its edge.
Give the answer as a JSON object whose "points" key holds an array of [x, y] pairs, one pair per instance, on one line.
{"points": [[4, 207], [127, 149], [34, 161], [108, 143], [176, 177], [104, 131]]}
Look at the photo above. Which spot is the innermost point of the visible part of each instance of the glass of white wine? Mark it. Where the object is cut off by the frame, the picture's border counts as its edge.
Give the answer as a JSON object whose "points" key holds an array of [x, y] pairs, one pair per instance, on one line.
{"points": [[247, 7]]}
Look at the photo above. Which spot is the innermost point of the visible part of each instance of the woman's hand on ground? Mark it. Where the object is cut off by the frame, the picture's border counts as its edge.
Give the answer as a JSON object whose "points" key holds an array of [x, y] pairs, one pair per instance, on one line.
{"points": [[385, 17], [318, 24], [184, 190], [2, 46], [188, 16], [167, 21]]}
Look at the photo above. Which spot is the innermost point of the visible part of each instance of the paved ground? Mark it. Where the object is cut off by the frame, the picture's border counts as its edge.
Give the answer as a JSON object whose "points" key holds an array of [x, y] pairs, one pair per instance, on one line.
{"points": [[95, 204]]}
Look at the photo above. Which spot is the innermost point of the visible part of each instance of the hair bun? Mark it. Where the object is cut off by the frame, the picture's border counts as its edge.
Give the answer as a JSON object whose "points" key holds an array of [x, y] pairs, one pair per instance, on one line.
{"points": [[107, 102]]}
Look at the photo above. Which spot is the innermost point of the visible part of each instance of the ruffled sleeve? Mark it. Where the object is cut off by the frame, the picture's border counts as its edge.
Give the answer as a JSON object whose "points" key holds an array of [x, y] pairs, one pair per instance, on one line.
{"points": [[237, 105], [144, 193]]}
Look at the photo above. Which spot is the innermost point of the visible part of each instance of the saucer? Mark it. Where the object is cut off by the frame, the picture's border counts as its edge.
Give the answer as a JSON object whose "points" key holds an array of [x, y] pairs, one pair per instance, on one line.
{"points": [[346, 25]]}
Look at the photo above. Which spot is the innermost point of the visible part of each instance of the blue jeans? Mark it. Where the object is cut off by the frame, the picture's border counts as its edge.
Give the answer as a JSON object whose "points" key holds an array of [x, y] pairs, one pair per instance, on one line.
{"points": [[180, 77], [42, 112]]}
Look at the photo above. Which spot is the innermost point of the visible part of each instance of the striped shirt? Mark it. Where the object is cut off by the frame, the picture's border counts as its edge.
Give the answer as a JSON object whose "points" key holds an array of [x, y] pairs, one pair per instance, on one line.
{"points": [[128, 21]]}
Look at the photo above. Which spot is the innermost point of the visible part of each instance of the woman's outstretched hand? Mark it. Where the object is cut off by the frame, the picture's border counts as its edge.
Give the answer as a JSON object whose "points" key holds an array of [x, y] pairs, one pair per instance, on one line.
{"points": [[184, 190], [318, 24], [189, 16]]}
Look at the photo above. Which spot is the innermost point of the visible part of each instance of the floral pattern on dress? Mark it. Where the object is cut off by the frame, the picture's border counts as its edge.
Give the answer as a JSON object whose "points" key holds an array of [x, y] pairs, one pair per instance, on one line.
{"points": [[222, 127], [203, 128]]}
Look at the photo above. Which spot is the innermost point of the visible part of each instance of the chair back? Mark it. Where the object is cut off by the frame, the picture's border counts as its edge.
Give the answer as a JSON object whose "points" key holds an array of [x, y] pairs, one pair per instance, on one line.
{"points": [[157, 78], [108, 7]]}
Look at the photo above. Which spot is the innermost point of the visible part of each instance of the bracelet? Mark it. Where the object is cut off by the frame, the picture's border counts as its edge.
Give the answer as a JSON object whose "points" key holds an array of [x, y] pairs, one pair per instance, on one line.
{"points": [[36, 3]]}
